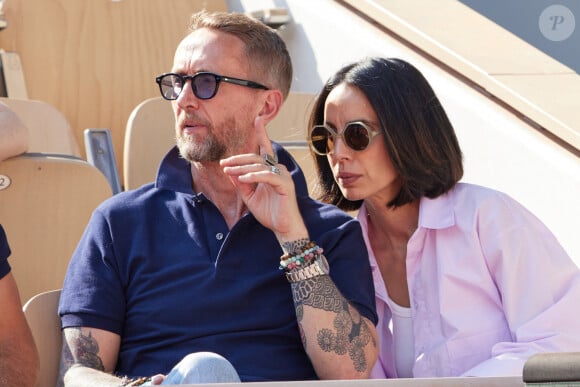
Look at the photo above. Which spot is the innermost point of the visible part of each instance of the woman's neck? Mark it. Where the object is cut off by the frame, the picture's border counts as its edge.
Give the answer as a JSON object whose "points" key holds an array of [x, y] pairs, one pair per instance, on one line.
{"points": [[394, 223]]}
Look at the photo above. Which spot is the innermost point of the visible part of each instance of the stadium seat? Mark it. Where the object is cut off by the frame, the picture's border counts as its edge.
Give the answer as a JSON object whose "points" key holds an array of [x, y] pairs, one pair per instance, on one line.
{"points": [[149, 135], [45, 204], [41, 313]]}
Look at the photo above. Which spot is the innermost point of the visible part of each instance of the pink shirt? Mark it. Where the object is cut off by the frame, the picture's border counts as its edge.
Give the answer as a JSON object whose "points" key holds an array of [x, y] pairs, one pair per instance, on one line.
{"points": [[489, 286]]}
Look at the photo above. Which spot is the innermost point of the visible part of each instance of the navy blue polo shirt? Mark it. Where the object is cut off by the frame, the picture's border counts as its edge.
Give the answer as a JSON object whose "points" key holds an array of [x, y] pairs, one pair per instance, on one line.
{"points": [[159, 267], [4, 254]]}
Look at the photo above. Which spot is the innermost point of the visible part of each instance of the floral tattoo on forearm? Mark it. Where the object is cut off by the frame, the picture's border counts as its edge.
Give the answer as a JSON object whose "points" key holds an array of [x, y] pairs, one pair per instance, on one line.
{"points": [[350, 335]]}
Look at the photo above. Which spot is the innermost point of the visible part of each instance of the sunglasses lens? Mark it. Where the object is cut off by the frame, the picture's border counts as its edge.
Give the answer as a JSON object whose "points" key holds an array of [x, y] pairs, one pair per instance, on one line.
{"points": [[319, 139], [170, 86], [357, 136], [204, 86]]}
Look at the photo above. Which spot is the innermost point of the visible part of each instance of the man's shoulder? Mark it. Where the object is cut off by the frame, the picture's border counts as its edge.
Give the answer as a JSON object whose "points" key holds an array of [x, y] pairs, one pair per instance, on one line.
{"points": [[326, 214], [137, 199]]}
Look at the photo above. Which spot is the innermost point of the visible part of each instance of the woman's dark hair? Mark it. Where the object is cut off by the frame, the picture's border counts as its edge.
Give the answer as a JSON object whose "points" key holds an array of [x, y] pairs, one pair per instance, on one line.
{"points": [[418, 136]]}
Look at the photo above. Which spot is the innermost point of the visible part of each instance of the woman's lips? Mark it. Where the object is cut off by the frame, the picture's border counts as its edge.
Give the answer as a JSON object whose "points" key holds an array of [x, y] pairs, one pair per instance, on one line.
{"points": [[346, 179]]}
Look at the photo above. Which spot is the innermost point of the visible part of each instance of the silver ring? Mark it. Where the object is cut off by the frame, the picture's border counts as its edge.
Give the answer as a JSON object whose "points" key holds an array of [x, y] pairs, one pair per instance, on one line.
{"points": [[270, 160], [275, 169]]}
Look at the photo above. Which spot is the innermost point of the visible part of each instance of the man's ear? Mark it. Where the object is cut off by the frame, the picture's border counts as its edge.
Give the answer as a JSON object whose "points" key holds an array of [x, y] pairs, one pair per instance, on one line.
{"points": [[271, 105]]}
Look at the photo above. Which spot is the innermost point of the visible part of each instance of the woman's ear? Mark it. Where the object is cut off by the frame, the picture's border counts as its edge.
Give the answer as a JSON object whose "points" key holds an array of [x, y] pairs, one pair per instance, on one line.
{"points": [[271, 105]]}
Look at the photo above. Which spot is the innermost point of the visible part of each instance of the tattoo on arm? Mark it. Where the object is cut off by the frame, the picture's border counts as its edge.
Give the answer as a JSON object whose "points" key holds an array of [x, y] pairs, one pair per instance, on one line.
{"points": [[79, 349], [350, 334], [294, 247]]}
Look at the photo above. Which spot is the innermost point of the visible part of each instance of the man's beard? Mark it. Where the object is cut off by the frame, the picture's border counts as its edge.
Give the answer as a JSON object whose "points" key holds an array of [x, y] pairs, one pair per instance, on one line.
{"points": [[195, 150], [208, 148]]}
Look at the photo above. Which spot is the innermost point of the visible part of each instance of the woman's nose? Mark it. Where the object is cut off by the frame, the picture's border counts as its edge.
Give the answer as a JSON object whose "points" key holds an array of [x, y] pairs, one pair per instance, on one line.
{"points": [[339, 149]]}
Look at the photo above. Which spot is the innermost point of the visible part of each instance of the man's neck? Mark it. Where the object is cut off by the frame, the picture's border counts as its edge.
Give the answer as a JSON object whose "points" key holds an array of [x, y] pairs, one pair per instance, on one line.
{"points": [[210, 179]]}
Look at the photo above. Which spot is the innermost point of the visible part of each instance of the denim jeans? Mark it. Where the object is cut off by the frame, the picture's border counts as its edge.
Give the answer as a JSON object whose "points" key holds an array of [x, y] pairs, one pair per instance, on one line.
{"points": [[202, 367]]}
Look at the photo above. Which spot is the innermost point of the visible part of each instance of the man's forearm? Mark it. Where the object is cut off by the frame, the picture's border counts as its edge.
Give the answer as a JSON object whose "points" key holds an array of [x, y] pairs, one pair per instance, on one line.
{"points": [[339, 341], [88, 357], [18, 365], [80, 376]]}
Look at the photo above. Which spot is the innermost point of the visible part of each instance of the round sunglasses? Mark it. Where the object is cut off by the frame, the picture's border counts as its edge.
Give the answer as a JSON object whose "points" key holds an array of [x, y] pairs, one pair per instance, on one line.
{"points": [[204, 84], [356, 135]]}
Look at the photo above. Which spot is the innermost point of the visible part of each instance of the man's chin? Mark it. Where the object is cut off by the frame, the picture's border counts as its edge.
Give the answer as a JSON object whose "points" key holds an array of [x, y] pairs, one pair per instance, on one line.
{"points": [[199, 154]]}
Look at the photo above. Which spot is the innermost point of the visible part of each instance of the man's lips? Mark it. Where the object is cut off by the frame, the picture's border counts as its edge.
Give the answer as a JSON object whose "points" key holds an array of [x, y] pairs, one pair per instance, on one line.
{"points": [[191, 128]]}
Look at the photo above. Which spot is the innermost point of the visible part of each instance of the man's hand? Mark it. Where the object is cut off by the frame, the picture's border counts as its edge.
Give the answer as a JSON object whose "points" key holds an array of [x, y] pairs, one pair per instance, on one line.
{"points": [[267, 188]]}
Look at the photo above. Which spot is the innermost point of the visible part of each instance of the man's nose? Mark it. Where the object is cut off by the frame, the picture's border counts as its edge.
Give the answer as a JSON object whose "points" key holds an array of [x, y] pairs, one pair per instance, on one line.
{"points": [[187, 97]]}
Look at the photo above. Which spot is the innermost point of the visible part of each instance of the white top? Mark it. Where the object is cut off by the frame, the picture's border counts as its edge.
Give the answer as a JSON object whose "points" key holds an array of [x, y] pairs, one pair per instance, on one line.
{"points": [[402, 328]]}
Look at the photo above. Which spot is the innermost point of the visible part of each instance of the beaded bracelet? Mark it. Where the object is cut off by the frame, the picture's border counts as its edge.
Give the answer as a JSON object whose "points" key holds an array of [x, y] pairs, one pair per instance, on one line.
{"points": [[311, 251], [297, 259], [304, 248]]}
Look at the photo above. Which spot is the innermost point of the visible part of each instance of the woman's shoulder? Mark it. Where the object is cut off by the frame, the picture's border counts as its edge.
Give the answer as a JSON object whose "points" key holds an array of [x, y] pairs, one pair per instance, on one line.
{"points": [[479, 195], [489, 203]]}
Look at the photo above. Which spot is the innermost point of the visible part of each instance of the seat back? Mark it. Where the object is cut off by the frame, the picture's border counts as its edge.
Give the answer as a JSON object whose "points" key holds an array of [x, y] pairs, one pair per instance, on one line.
{"points": [[45, 204], [49, 130], [289, 128], [292, 120], [13, 133], [301, 153], [41, 313], [149, 135]]}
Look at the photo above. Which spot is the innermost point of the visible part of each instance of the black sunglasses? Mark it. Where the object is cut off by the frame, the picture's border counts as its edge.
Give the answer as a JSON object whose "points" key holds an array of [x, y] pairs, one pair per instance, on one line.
{"points": [[204, 85], [356, 135]]}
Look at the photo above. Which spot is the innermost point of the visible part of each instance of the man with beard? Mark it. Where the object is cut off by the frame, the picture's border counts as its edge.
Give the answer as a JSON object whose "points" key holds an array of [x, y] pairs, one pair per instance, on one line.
{"points": [[223, 269]]}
